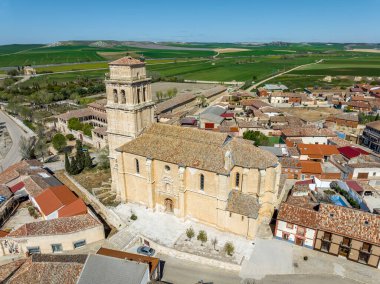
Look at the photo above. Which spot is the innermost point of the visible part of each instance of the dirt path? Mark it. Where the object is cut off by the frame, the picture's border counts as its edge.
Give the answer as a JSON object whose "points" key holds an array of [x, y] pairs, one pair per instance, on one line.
{"points": [[280, 74]]}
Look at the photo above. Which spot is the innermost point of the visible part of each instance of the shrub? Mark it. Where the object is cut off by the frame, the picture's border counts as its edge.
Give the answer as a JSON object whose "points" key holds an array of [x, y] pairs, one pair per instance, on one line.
{"points": [[229, 248], [190, 233], [202, 236], [59, 142], [133, 217], [33, 212], [70, 137]]}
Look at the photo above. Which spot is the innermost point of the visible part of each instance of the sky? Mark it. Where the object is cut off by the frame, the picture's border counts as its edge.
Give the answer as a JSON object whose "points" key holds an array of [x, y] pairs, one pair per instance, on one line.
{"points": [[47, 21]]}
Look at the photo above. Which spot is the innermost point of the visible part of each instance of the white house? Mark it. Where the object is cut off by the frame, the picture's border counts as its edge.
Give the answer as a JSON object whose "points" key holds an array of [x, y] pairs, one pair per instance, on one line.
{"points": [[296, 225]]}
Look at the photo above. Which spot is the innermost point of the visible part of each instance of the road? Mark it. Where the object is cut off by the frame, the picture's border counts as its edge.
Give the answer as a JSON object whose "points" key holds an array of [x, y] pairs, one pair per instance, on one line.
{"points": [[13, 156], [187, 272], [280, 74]]}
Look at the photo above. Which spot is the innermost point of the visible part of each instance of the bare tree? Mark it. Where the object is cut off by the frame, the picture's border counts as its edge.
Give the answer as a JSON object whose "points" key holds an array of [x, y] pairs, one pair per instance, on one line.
{"points": [[26, 148]]}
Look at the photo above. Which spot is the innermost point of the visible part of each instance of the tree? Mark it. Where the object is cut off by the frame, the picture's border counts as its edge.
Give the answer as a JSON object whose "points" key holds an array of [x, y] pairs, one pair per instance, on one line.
{"points": [[103, 160], [70, 137], [247, 84], [67, 164], [229, 248], [202, 236], [79, 156], [87, 161], [59, 142], [26, 148], [41, 148], [214, 242], [73, 166], [190, 233], [74, 124], [86, 128], [256, 136]]}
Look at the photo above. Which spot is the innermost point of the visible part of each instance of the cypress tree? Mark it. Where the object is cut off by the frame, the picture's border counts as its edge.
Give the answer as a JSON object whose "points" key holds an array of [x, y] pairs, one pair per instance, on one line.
{"points": [[67, 164], [87, 161], [73, 166]]}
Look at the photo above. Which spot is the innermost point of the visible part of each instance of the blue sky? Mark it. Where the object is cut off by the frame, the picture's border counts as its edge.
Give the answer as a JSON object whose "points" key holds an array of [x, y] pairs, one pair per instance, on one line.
{"points": [[45, 21]]}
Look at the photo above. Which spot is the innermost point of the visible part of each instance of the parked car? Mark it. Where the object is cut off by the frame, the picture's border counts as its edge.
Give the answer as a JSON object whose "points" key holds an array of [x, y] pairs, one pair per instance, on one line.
{"points": [[146, 250]]}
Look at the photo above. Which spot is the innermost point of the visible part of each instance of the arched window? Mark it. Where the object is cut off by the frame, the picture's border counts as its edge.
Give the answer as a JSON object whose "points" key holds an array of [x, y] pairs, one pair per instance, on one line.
{"points": [[144, 94], [202, 182], [138, 96], [237, 180], [123, 98], [115, 98], [137, 166]]}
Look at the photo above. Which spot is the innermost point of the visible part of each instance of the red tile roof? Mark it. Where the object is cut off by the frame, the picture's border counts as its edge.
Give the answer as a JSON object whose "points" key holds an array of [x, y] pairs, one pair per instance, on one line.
{"points": [[227, 114], [311, 167], [78, 207], [317, 150], [17, 187], [352, 152], [298, 215], [354, 185], [54, 198], [127, 60]]}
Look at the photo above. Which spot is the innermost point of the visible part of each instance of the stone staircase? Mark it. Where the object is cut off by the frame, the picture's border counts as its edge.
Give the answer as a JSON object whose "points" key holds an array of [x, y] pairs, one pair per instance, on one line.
{"points": [[105, 194], [122, 239]]}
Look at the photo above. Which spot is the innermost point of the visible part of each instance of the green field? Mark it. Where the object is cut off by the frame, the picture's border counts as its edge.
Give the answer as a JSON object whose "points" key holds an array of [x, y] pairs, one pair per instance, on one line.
{"points": [[294, 81], [357, 66]]}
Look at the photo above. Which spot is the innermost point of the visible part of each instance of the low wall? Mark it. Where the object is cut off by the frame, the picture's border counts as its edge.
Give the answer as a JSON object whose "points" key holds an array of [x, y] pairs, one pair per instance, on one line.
{"points": [[111, 217], [190, 257], [25, 128]]}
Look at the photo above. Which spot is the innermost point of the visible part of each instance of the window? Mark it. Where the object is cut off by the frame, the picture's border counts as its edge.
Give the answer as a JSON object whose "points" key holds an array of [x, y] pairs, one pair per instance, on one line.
{"points": [[366, 247], [32, 250], [346, 242], [237, 180], [285, 236], [301, 231], [325, 246], [327, 236], [138, 96], [144, 93], [137, 166], [56, 247], [363, 257], [167, 168], [123, 98], [115, 98], [202, 182], [303, 177], [242, 218], [79, 244], [289, 226]]}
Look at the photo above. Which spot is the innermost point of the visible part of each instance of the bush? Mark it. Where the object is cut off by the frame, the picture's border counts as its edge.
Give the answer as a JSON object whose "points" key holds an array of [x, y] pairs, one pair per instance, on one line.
{"points": [[133, 217], [229, 248], [70, 137], [59, 142], [202, 236], [190, 233], [33, 212]]}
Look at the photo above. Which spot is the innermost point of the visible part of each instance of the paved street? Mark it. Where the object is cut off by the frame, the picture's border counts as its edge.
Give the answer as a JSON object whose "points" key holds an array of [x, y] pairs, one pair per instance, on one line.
{"points": [[187, 272], [15, 132]]}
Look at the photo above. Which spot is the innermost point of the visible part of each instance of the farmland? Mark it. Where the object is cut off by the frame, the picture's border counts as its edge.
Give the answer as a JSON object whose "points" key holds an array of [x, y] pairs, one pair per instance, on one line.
{"points": [[357, 66], [239, 62]]}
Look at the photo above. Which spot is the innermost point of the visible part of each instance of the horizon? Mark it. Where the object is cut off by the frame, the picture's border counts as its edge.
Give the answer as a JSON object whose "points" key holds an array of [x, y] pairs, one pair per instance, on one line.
{"points": [[238, 22]]}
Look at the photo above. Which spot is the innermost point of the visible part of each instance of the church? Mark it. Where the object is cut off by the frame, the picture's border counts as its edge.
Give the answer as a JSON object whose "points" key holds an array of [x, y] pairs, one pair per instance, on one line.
{"points": [[210, 177]]}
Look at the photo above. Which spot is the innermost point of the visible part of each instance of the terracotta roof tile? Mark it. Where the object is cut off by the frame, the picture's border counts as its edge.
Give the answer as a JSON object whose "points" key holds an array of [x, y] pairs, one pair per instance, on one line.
{"points": [[127, 60], [57, 226], [197, 148], [297, 215]]}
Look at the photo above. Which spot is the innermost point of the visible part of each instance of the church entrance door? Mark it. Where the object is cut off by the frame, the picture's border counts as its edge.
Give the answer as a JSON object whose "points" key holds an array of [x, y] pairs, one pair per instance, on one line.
{"points": [[168, 205]]}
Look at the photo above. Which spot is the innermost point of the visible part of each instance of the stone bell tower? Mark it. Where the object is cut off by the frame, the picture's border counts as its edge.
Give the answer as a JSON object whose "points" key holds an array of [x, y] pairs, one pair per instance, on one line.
{"points": [[129, 107]]}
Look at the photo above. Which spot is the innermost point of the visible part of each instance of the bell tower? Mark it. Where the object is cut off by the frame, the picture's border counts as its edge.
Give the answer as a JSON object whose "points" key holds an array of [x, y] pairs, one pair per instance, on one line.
{"points": [[130, 108]]}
